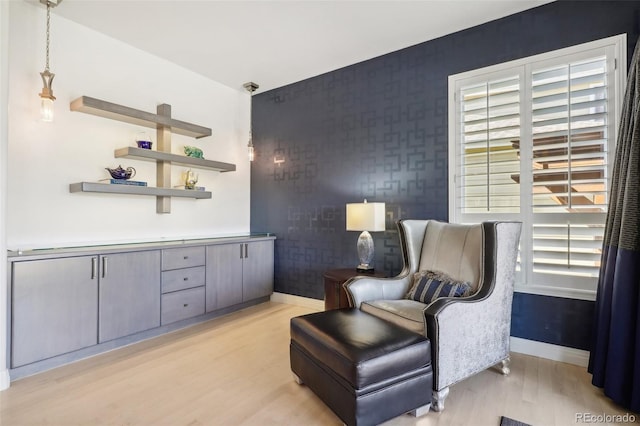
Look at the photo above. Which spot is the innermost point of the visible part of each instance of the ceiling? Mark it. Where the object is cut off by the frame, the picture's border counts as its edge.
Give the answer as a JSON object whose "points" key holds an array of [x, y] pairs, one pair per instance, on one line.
{"points": [[275, 43]]}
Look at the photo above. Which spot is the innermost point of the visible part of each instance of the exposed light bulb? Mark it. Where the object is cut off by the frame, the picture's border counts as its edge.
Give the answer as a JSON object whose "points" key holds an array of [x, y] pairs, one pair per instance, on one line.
{"points": [[251, 87], [47, 98], [46, 110]]}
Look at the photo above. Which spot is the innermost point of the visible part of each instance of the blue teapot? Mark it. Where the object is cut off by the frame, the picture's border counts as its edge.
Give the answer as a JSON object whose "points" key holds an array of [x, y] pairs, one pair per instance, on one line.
{"points": [[120, 173]]}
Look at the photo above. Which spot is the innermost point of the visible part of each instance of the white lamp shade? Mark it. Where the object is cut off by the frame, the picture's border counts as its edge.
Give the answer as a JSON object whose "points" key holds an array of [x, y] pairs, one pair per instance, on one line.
{"points": [[365, 217]]}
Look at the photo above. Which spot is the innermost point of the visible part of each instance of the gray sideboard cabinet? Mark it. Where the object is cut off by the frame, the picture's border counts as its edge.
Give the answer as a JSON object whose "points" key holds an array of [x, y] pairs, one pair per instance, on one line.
{"points": [[61, 305], [183, 291], [238, 273], [224, 276], [55, 308], [257, 270], [129, 286], [69, 303]]}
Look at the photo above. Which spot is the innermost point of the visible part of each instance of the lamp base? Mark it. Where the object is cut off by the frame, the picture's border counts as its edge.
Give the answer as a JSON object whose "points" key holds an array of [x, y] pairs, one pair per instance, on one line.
{"points": [[365, 252], [367, 269]]}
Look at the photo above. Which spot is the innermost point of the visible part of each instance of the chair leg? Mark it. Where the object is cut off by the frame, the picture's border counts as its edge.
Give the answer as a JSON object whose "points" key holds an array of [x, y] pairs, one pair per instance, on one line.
{"points": [[420, 411], [438, 397], [504, 366], [297, 379]]}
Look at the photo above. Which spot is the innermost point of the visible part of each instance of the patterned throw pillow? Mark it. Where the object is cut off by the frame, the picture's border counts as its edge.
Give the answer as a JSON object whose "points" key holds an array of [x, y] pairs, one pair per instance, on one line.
{"points": [[431, 285]]}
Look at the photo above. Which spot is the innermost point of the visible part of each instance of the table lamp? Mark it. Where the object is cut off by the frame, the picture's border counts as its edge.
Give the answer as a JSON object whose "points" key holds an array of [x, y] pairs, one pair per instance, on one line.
{"points": [[365, 217]]}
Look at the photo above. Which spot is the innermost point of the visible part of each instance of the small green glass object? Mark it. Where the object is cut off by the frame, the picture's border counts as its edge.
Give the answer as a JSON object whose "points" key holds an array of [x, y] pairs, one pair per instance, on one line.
{"points": [[192, 151]]}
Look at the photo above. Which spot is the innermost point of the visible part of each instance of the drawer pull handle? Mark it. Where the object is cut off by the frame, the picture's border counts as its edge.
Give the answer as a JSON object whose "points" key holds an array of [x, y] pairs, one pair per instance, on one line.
{"points": [[104, 267], [185, 305], [186, 257], [185, 279], [94, 266]]}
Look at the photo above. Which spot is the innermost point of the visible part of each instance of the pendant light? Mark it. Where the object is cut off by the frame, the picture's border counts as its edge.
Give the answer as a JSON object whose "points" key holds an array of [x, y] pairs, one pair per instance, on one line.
{"points": [[47, 98], [251, 87]]}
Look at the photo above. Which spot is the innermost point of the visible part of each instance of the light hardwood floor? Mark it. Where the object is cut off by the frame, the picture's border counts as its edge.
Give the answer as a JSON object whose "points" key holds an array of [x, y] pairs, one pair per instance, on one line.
{"points": [[235, 371]]}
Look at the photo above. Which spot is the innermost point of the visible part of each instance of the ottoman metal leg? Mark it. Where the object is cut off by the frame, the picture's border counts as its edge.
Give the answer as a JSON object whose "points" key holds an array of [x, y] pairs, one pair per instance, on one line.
{"points": [[421, 411]]}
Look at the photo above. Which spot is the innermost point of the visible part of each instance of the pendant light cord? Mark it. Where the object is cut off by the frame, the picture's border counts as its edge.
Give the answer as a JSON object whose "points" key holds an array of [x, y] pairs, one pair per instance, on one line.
{"points": [[46, 66], [250, 118]]}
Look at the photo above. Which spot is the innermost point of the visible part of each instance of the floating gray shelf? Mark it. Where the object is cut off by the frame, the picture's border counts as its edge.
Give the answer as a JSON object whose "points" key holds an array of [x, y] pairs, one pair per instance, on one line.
{"points": [[137, 190], [134, 116], [147, 154], [163, 156]]}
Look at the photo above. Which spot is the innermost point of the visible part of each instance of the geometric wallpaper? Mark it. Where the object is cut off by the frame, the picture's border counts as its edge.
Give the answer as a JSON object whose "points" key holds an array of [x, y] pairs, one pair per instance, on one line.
{"points": [[378, 130]]}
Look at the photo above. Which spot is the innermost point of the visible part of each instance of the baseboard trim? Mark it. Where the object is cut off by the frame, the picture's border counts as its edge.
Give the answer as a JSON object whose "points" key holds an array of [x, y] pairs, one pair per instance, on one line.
{"points": [[5, 381], [290, 299], [549, 351]]}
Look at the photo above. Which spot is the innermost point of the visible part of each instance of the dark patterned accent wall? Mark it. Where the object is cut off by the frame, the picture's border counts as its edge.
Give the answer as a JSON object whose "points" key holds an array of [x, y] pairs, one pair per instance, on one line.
{"points": [[379, 130]]}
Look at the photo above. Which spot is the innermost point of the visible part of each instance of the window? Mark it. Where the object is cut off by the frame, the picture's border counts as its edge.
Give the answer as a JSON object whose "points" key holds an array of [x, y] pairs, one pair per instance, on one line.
{"points": [[533, 140]]}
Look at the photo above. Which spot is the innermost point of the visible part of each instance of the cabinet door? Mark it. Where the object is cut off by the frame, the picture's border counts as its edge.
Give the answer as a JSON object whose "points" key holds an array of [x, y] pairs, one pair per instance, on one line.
{"points": [[224, 275], [129, 293], [257, 270], [55, 308]]}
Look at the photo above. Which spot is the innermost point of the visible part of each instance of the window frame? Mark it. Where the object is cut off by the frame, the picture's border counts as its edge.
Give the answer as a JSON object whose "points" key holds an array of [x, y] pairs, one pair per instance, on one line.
{"points": [[615, 48]]}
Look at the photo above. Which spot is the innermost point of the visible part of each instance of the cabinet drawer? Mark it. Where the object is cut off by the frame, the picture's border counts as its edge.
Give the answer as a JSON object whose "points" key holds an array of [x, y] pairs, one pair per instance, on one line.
{"points": [[182, 304], [180, 279], [182, 258]]}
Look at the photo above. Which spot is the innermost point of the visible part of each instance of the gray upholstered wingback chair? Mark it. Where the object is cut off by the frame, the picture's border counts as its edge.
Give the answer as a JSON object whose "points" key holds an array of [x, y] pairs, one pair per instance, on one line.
{"points": [[468, 334]]}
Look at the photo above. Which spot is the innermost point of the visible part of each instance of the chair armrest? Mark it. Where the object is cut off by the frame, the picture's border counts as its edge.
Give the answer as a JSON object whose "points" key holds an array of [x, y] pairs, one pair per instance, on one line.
{"points": [[362, 289], [436, 308], [477, 326]]}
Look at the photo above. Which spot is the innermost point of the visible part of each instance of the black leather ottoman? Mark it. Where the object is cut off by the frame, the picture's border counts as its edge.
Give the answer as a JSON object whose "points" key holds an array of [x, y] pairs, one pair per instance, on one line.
{"points": [[366, 369]]}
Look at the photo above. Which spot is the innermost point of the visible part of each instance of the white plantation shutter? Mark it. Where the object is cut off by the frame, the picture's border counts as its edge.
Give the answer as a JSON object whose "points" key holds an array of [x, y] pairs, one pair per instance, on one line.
{"points": [[569, 117], [530, 141], [490, 125]]}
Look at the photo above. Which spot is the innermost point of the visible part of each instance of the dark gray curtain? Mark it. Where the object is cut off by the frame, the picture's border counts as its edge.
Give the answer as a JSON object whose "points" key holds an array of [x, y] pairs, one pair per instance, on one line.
{"points": [[615, 352]]}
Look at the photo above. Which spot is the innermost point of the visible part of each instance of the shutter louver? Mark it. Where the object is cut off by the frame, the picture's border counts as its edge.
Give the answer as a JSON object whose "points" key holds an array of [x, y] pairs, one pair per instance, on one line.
{"points": [[490, 115], [569, 168]]}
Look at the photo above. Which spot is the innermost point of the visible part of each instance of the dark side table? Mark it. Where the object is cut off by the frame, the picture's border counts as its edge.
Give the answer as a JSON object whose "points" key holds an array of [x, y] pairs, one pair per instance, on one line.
{"points": [[335, 296]]}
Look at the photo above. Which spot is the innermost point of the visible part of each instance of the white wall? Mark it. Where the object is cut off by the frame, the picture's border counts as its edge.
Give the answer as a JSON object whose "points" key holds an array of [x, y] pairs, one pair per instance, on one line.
{"points": [[4, 87], [39, 160], [44, 158]]}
